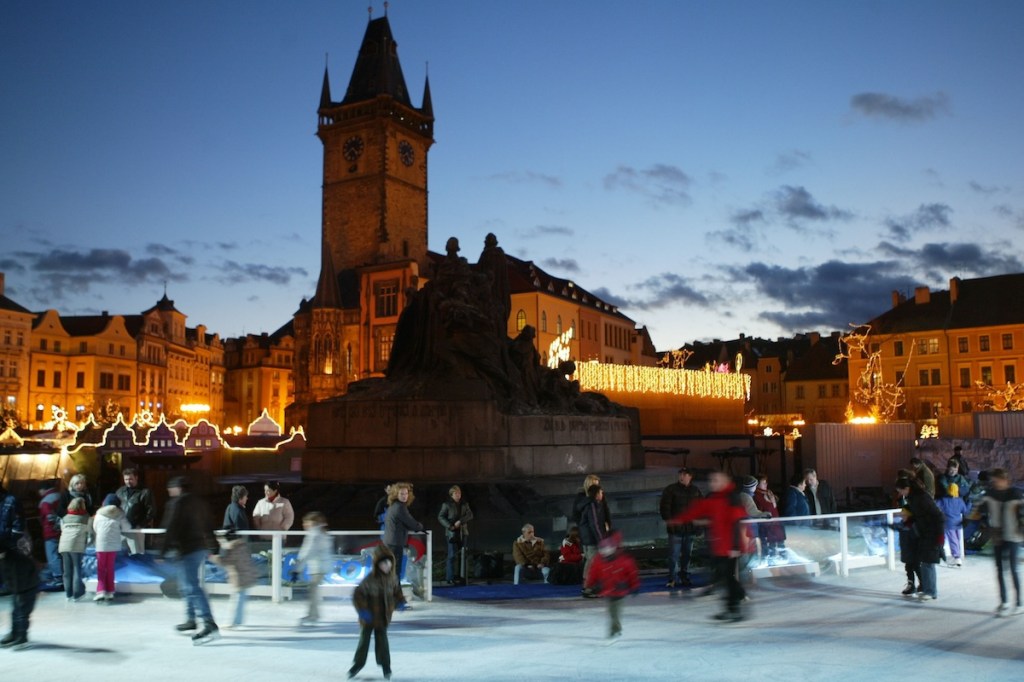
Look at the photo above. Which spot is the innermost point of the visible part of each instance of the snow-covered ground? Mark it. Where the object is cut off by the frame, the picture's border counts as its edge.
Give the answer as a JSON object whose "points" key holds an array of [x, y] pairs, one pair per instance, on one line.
{"points": [[810, 628]]}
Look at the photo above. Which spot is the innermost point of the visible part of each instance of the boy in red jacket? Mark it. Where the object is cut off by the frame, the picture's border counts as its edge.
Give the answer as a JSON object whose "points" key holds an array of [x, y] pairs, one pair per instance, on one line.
{"points": [[721, 512], [613, 575]]}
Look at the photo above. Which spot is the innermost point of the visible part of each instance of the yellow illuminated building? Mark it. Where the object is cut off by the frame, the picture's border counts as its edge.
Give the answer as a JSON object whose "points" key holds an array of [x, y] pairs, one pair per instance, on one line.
{"points": [[259, 377], [15, 332]]}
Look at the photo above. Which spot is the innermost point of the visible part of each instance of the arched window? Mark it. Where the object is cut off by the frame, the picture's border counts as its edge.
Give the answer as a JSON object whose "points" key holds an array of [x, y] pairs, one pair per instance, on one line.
{"points": [[520, 320], [543, 321], [558, 325]]}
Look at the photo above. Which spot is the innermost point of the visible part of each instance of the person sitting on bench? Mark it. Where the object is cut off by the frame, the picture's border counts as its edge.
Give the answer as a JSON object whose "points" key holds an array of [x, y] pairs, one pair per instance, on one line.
{"points": [[530, 555]]}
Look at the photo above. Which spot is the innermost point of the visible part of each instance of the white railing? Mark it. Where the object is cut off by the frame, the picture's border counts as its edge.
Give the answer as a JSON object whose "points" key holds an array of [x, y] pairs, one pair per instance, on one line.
{"points": [[359, 563]]}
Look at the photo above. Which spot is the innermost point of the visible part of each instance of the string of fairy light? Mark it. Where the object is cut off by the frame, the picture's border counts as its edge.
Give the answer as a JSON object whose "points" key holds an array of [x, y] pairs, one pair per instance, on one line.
{"points": [[699, 383]]}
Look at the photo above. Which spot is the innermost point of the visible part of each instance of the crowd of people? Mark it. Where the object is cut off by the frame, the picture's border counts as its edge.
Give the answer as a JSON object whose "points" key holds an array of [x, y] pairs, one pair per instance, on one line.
{"points": [[934, 509]]}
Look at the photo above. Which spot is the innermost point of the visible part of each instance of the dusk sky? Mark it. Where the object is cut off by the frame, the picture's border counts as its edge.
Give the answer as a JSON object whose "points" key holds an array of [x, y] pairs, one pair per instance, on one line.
{"points": [[712, 167]]}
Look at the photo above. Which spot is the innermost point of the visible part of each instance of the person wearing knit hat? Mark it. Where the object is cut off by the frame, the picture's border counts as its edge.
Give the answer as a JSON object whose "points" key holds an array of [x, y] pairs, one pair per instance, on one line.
{"points": [[109, 525], [955, 510], [613, 575]]}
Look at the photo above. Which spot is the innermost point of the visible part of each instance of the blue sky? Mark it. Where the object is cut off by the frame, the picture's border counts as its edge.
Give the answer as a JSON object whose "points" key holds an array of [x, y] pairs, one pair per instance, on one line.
{"points": [[713, 167]]}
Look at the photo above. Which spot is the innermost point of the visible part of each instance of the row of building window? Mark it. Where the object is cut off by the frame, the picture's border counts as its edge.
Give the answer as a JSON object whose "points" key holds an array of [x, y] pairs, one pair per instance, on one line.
{"points": [[124, 381], [9, 337], [837, 391], [930, 346]]}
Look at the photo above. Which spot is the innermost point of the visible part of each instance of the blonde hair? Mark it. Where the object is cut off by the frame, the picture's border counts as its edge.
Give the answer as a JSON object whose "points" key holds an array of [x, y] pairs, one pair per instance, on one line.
{"points": [[591, 479], [397, 488], [77, 504], [75, 480], [454, 489]]}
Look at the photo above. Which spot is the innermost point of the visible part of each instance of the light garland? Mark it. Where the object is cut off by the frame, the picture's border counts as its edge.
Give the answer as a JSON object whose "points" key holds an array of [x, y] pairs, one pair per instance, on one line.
{"points": [[704, 383], [559, 350]]}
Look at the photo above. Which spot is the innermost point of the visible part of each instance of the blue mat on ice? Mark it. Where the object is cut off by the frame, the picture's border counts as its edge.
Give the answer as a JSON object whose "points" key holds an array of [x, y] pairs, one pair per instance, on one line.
{"points": [[534, 590]]}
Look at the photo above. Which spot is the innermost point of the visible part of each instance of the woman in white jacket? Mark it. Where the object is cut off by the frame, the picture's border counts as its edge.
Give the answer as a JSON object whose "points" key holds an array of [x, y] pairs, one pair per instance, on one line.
{"points": [[108, 526]]}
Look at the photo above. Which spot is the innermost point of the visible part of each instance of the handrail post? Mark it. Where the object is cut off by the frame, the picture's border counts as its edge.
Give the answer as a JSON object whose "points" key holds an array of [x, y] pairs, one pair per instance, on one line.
{"points": [[844, 547], [890, 541], [276, 558], [428, 579]]}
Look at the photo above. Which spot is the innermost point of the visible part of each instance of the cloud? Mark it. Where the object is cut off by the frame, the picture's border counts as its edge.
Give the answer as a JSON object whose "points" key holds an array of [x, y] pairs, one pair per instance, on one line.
{"points": [[790, 161], [561, 264], [659, 291], [796, 203], [661, 183], [926, 217], [608, 297], [1016, 217], [546, 231], [160, 250], [237, 273], [527, 178], [741, 237], [938, 262], [881, 105], [986, 189]]}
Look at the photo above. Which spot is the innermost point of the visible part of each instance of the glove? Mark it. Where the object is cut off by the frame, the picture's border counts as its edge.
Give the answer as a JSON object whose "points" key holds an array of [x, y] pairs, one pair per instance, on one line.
{"points": [[365, 616], [404, 606]]}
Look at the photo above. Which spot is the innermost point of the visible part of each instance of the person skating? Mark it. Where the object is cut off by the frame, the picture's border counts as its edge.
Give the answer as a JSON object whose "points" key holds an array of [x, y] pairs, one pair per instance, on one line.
{"points": [[190, 536], [614, 576], [375, 601]]}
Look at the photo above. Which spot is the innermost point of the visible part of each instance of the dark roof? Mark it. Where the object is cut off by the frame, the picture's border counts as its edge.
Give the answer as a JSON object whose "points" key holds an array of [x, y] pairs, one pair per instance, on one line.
{"points": [[818, 363], [981, 302], [328, 291], [8, 304], [81, 325], [164, 304], [377, 70]]}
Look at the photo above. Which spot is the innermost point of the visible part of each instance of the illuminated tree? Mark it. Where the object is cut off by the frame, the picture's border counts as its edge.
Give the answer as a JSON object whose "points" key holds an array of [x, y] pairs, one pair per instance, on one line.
{"points": [[880, 400], [675, 359], [1008, 399]]}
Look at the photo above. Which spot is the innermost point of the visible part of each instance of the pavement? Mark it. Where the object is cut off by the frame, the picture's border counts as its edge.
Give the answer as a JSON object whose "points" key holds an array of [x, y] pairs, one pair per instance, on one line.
{"points": [[797, 628]]}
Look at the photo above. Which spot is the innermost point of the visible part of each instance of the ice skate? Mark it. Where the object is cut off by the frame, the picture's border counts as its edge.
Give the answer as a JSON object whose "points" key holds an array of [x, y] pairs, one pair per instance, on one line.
{"points": [[209, 633]]}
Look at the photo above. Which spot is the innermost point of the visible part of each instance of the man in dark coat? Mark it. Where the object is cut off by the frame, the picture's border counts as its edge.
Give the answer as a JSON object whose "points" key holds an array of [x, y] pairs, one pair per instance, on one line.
{"points": [[21, 578], [925, 518], [820, 499], [676, 498], [137, 505], [190, 536]]}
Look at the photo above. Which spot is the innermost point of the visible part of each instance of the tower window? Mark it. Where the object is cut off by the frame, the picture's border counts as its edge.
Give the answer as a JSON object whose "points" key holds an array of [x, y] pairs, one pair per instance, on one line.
{"points": [[386, 295]]}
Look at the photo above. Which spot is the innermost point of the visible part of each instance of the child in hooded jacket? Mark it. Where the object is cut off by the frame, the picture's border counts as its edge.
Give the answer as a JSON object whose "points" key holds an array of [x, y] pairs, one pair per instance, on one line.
{"points": [[76, 531], [955, 510], [375, 600], [613, 575], [109, 525]]}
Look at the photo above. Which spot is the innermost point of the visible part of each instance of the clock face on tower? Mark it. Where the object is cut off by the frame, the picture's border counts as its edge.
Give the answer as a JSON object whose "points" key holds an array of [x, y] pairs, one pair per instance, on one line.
{"points": [[352, 148], [406, 153]]}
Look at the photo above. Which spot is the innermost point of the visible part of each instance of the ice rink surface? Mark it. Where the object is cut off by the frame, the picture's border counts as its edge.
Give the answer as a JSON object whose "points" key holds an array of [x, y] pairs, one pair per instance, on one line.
{"points": [[815, 628]]}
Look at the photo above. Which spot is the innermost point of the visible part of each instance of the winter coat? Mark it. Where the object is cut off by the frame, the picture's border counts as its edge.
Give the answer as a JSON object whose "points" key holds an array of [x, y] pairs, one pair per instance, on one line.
{"points": [[529, 552], [594, 523], [398, 523], [615, 576], [452, 511], [108, 525], [826, 500], [188, 525], [723, 510], [954, 510], [235, 518], [581, 502], [276, 515], [68, 495], [236, 558], [316, 553], [137, 504], [49, 518], [76, 528], [764, 500], [1001, 509], [794, 503], [924, 474], [962, 482], [11, 526], [379, 594], [928, 526], [674, 499], [570, 552], [19, 571]]}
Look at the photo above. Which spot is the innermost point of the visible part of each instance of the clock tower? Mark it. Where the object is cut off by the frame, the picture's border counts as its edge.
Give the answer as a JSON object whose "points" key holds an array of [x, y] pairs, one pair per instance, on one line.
{"points": [[375, 161]]}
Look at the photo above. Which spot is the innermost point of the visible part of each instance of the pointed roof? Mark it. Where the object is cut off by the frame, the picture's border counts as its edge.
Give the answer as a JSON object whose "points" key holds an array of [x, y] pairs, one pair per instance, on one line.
{"points": [[328, 295], [325, 92], [164, 304], [377, 70], [428, 103]]}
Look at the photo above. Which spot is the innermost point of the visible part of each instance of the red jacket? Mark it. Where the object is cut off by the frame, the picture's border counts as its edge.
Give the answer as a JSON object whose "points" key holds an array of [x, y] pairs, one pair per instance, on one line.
{"points": [[572, 553], [723, 512], [615, 576]]}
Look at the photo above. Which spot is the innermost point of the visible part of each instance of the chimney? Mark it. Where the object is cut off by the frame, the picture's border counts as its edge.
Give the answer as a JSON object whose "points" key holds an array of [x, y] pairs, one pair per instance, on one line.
{"points": [[954, 288], [922, 295], [897, 298], [1, 284], [815, 337]]}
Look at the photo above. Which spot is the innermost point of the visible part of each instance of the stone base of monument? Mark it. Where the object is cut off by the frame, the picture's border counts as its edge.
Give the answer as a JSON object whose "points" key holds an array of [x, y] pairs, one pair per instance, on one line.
{"points": [[367, 440]]}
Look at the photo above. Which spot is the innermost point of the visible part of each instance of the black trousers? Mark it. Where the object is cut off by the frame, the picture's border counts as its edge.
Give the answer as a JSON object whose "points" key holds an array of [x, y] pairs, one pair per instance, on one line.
{"points": [[380, 648], [725, 574], [22, 604]]}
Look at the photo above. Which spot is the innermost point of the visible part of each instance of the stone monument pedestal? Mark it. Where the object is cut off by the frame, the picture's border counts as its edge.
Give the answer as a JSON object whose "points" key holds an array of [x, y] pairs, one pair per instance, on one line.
{"points": [[372, 440]]}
